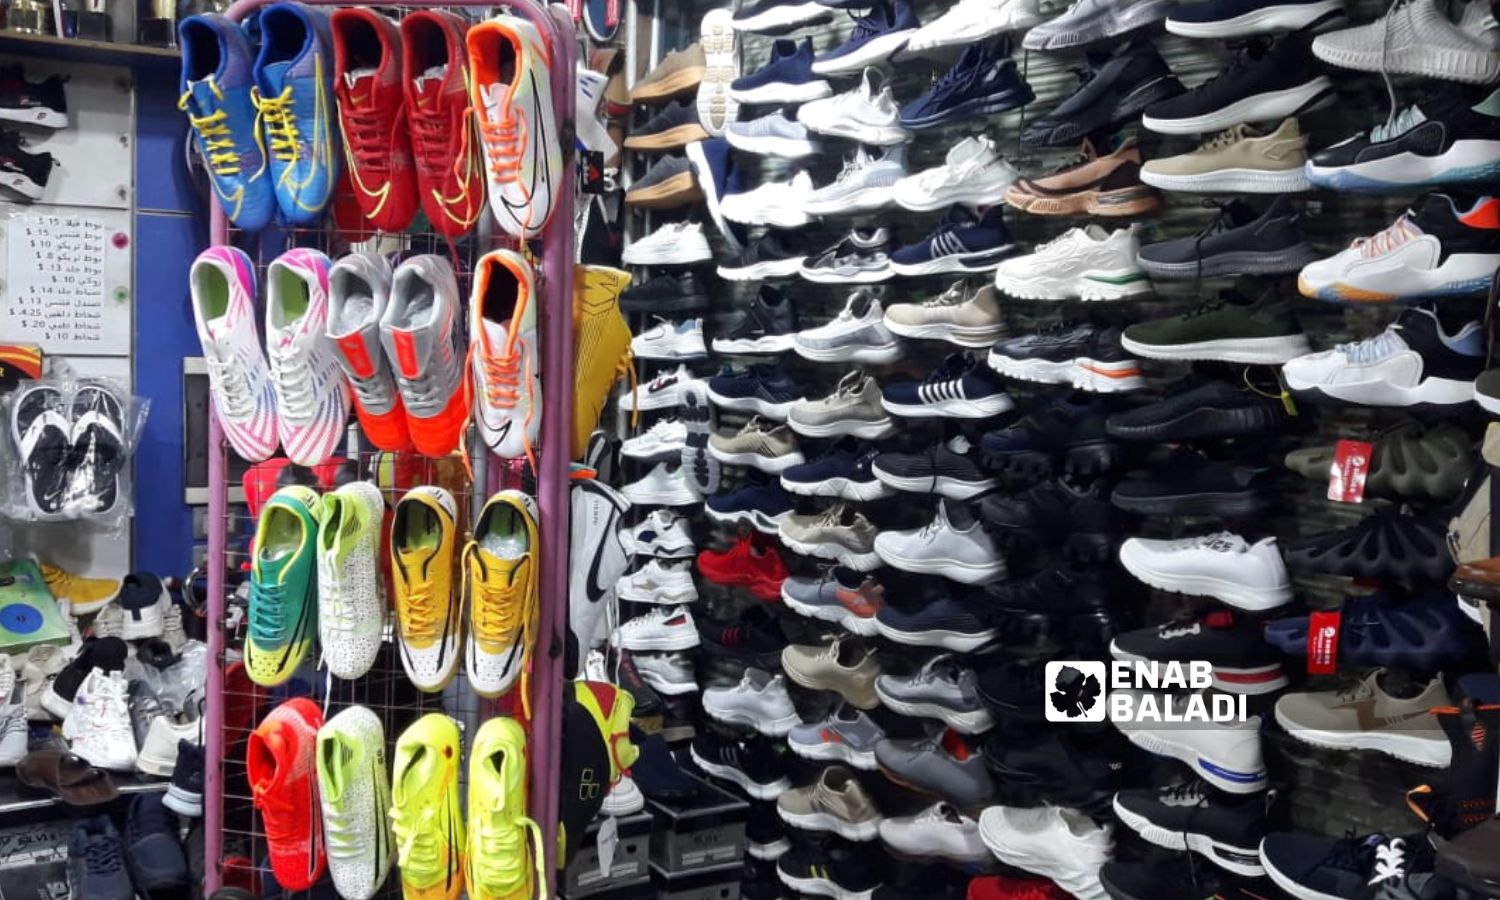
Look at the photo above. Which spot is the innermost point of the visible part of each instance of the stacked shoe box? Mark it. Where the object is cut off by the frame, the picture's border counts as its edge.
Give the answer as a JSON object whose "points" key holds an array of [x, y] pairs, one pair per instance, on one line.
{"points": [[628, 848], [698, 845]]}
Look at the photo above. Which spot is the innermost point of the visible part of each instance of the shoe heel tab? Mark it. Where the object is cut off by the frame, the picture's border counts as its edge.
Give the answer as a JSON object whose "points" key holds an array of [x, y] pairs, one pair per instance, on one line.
{"points": [[1484, 214]]}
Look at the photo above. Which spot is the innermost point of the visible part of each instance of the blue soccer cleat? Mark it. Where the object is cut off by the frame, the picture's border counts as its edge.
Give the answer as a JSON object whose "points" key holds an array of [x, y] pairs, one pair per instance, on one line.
{"points": [[294, 98]]}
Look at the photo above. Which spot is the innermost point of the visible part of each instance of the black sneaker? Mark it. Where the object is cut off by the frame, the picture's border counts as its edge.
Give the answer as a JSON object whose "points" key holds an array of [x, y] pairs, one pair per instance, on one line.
{"points": [[779, 253], [40, 103], [648, 702], [828, 871], [1115, 90], [23, 172], [767, 326], [1266, 83], [673, 127], [1052, 512], [861, 257], [1189, 484], [765, 835], [96, 861], [1223, 827], [752, 638], [157, 865], [1086, 356], [1061, 592], [948, 470], [1238, 242], [106, 654], [1213, 409], [665, 293], [1451, 139], [185, 792], [1077, 769], [1243, 663], [1465, 797], [755, 766], [1067, 434], [656, 771], [1015, 690]]}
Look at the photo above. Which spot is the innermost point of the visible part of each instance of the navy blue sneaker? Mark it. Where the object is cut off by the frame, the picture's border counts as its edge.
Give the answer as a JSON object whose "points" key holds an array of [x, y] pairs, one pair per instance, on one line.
{"points": [[952, 621], [779, 16], [786, 78], [673, 127], [878, 34], [1237, 19], [762, 389], [713, 164], [760, 501], [960, 388], [984, 82], [1424, 634], [656, 771], [157, 864], [844, 470], [1067, 434], [1309, 865], [96, 861], [961, 243]]}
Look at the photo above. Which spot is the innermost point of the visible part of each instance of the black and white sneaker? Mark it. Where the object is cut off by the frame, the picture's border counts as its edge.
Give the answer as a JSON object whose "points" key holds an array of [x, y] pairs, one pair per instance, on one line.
{"points": [[1085, 356], [703, 469], [1452, 139], [862, 257], [961, 387], [21, 172], [1414, 362], [832, 871], [1113, 92], [599, 557], [1243, 663], [1266, 83], [755, 766], [949, 470], [665, 293], [779, 253], [768, 326], [1223, 827], [1239, 241], [40, 103]]}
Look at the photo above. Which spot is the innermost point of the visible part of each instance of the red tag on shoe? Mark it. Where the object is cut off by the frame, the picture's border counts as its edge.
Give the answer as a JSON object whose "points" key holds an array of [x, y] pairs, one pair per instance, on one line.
{"points": [[1323, 642], [612, 13], [1351, 465], [575, 9]]}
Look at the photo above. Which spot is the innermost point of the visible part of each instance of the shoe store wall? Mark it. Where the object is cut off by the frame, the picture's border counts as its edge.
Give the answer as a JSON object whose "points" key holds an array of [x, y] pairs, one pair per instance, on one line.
{"points": [[119, 162], [1364, 794]]}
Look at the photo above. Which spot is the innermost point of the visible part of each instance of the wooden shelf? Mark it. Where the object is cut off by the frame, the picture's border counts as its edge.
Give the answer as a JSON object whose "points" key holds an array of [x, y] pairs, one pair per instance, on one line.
{"points": [[134, 56]]}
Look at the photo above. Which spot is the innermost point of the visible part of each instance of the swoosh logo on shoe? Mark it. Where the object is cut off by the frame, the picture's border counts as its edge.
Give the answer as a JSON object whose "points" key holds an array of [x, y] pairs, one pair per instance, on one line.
{"points": [[540, 173]]}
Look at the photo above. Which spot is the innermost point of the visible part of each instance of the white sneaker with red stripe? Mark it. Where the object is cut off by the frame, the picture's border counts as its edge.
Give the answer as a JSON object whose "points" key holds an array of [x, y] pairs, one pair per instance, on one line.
{"points": [[222, 283], [312, 400], [505, 359]]}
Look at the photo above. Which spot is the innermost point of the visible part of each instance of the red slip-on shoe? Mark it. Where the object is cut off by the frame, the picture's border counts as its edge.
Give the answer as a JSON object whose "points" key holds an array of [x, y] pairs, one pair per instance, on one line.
{"points": [[280, 765], [750, 562], [450, 168], [368, 83]]}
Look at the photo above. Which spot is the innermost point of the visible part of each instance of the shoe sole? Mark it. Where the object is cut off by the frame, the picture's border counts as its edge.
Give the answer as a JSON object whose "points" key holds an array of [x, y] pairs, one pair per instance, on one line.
{"points": [[875, 135], [835, 752], [1133, 201], [916, 200], [781, 18], [983, 408], [781, 93], [774, 216], [816, 821], [822, 887], [880, 356], [762, 522], [1081, 372], [1239, 181], [1294, 17], [778, 268], [1244, 861], [868, 430], [776, 411], [863, 200], [1221, 777], [956, 263], [680, 82], [744, 782], [770, 343], [1432, 754], [962, 722], [941, 485], [1251, 351], [1231, 593], [1206, 505], [957, 641], [859, 562], [716, 107], [1266, 679], [671, 139], [1097, 285], [770, 728], [876, 51], [182, 802], [835, 614], [1434, 392], [838, 487], [1271, 106], [679, 190], [1466, 162], [668, 256], [960, 335], [768, 852], [1228, 265], [704, 472]]}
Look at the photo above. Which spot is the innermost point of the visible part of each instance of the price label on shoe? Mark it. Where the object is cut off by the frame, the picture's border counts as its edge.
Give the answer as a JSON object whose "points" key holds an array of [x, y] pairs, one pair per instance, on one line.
{"points": [[1351, 465], [606, 842], [1323, 642]]}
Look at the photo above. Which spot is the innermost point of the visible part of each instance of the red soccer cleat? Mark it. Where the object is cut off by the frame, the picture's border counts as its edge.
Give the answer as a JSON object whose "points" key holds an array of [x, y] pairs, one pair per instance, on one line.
{"points": [[450, 168], [368, 82], [751, 562], [279, 764]]}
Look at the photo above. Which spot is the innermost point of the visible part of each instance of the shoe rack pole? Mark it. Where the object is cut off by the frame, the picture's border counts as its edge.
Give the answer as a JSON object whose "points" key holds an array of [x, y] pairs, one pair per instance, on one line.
{"points": [[554, 464]]}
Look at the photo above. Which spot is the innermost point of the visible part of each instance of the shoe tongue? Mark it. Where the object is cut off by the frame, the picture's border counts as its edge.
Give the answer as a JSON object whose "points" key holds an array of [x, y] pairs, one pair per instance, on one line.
{"points": [[274, 74], [361, 83], [201, 96], [429, 84], [496, 334], [494, 98]]}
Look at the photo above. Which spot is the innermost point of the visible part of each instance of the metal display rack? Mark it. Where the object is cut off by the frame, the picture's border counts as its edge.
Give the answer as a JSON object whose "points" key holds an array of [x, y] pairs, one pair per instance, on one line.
{"points": [[230, 822]]}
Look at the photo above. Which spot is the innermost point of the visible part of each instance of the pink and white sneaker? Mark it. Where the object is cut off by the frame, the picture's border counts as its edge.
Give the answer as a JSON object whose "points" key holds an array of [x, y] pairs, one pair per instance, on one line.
{"points": [[222, 284], [312, 398]]}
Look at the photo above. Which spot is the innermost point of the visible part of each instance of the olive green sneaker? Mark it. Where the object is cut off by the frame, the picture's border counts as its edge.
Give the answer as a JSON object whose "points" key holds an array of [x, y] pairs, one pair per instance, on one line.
{"points": [[1228, 328]]}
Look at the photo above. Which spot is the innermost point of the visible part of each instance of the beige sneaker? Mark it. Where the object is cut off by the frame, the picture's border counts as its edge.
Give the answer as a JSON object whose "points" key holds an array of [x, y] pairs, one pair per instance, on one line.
{"points": [[1239, 160], [960, 315], [836, 802], [1100, 185], [763, 445], [679, 73], [845, 667], [1366, 717]]}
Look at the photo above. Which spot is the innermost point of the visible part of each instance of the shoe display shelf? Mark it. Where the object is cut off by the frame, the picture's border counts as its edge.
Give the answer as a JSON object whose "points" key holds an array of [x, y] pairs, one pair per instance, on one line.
{"points": [[235, 844]]}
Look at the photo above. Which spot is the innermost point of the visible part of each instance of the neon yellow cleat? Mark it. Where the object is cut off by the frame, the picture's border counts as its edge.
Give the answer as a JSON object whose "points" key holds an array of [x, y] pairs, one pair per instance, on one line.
{"points": [[504, 856], [425, 815]]}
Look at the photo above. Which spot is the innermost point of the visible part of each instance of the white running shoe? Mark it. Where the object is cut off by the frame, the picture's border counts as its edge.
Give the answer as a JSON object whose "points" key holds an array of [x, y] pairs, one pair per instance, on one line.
{"points": [[664, 439], [760, 700], [670, 341], [863, 185], [99, 724], [667, 673], [781, 204], [973, 173], [351, 594], [662, 392], [953, 545], [662, 534], [422, 335], [658, 583], [1227, 756], [660, 628], [1052, 841], [866, 113], [1414, 361], [673, 244], [664, 485], [970, 21], [355, 795], [1080, 264], [1224, 566], [512, 101], [937, 832], [506, 369], [222, 284], [312, 400]]}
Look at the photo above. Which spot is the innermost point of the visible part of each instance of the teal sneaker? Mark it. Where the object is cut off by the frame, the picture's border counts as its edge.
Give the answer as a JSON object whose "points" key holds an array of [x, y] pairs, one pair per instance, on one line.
{"points": [[283, 586]]}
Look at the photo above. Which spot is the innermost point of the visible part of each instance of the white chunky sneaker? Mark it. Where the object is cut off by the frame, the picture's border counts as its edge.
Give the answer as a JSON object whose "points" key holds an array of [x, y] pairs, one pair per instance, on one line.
{"points": [[670, 341], [662, 533], [99, 725], [1080, 264], [658, 583], [673, 244], [866, 113], [1416, 37], [973, 173]]}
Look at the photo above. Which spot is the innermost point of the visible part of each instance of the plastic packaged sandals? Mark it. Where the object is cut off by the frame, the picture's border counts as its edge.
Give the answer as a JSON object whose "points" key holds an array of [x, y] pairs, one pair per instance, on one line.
{"points": [[67, 450]]}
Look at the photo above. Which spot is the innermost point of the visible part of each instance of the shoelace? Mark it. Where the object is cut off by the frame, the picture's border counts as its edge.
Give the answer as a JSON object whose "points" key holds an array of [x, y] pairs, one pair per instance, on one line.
{"points": [[232, 384], [416, 840], [1390, 861], [291, 372], [213, 128], [1375, 348], [1399, 123], [1388, 238], [501, 842], [342, 837], [365, 137], [104, 855], [333, 613], [953, 296], [276, 116], [1223, 139], [504, 142], [266, 603], [431, 144], [498, 617], [420, 621]]}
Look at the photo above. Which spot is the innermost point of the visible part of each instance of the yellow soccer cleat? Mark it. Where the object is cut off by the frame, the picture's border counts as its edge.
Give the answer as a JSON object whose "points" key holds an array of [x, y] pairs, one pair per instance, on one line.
{"points": [[601, 346], [85, 595], [429, 620], [503, 860], [426, 818], [500, 576]]}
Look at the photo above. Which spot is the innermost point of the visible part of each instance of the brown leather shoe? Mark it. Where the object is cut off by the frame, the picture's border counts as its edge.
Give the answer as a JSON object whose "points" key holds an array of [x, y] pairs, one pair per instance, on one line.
{"points": [[67, 776], [1479, 579], [1108, 185]]}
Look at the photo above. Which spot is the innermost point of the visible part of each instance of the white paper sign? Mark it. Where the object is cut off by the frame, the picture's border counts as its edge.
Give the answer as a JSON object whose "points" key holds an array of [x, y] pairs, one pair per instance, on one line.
{"points": [[63, 289]]}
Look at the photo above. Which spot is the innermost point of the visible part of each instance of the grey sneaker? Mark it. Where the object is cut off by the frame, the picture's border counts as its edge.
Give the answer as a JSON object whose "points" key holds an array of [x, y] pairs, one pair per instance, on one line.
{"points": [[1418, 38], [846, 736], [760, 700], [837, 533], [942, 689], [843, 666], [763, 445], [773, 135], [842, 596], [1089, 21], [865, 184], [854, 408], [940, 764], [861, 257], [836, 802], [960, 315], [952, 545], [858, 334]]}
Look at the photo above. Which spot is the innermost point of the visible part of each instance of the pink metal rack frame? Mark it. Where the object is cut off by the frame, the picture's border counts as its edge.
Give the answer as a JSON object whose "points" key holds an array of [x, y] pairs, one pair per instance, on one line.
{"points": [[552, 476]]}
